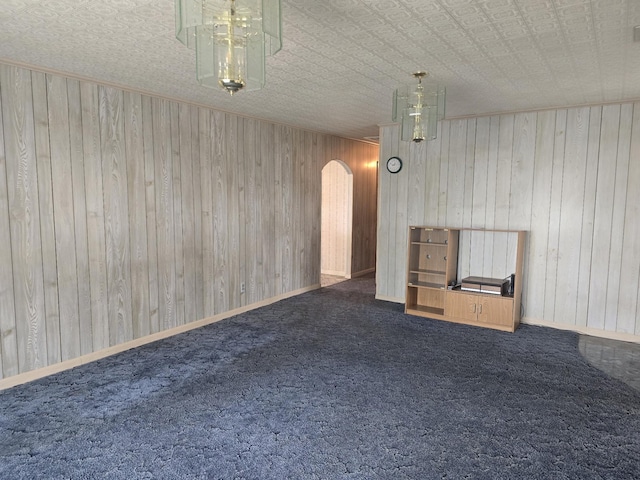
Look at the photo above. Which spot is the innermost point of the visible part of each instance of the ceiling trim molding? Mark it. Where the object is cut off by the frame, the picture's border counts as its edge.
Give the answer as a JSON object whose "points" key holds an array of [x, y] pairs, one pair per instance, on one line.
{"points": [[72, 76], [546, 109], [532, 110]]}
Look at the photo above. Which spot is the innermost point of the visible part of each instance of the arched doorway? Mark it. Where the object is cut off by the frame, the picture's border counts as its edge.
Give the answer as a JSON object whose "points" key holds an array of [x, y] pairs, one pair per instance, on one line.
{"points": [[337, 219]]}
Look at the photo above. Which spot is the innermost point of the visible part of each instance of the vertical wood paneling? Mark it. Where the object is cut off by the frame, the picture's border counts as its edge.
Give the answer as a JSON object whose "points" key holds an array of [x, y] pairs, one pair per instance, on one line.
{"points": [[570, 177], [277, 202], [520, 201], [444, 170], [463, 185], [207, 210], [178, 252], [384, 220], [8, 341], [164, 213], [188, 211], [136, 190], [357, 194], [503, 188], [47, 216], [297, 207], [554, 214], [278, 192], [503, 176], [588, 214], [259, 185], [124, 215], [58, 106], [432, 179], [305, 213], [575, 161], [469, 172], [474, 241], [316, 194], [402, 225], [114, 174], [629, 277], [197, 214], [233, 222], [479, 189], [522, 165], [602, 234], [370, 200], [92, 160], [80, 216], [391, 199], [455, 175], [220, 242], [618, 217], [417, 189], [492, 173], [268, 211], [22, 189], [296, 196], [286, 205], [150, 212], [540, 208], [241, 214], [251, 214]]}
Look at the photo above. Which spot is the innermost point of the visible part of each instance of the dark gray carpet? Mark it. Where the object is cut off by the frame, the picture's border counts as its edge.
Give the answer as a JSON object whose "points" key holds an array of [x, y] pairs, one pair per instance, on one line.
{"points": [[331, 384]]}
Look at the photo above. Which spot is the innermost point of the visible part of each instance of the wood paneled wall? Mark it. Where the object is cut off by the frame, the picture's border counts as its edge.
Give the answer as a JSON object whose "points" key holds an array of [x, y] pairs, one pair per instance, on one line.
{"points": [[123, 215], [570, 177]]}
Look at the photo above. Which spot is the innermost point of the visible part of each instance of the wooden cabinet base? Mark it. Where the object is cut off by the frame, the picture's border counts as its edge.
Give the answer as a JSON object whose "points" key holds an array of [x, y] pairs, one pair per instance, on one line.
{"points": [[424, 312]]}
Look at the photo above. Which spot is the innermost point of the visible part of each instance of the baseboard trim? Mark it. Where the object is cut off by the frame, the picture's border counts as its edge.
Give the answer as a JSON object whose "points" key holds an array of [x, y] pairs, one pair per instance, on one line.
{"points": [[32, 375], [594, 332], [389, 299], [335, 273], [362, 273]]}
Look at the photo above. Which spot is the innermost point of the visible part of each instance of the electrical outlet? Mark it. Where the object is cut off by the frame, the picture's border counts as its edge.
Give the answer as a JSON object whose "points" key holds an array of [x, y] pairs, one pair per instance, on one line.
{"points": [[242, 288]]}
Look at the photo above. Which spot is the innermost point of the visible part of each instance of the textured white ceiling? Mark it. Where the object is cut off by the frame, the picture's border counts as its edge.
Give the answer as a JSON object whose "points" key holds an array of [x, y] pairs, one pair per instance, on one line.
{"points": [[341, 59]]}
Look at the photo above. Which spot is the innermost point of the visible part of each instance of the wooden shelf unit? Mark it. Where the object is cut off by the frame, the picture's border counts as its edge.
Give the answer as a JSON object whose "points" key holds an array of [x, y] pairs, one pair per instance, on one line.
{"points": [[432, 265]]}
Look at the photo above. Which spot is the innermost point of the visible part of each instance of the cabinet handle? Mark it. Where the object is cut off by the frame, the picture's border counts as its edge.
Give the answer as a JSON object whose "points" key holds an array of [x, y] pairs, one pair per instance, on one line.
{"points": [[445, 258], [428, 256], [480, 308], [474, 308]]}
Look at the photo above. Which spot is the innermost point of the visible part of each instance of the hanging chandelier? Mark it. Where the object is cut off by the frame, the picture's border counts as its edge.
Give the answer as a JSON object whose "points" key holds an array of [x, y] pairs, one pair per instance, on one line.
{"points": [[418, 109], [231, 39]]}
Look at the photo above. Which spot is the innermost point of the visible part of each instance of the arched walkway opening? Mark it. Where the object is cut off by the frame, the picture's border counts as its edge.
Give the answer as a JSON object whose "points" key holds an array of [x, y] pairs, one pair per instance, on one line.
{"points": [[337, 219]]}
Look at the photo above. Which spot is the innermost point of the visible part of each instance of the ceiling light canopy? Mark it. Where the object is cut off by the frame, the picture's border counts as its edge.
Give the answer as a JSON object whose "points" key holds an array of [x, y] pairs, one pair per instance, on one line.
{"points": [[231, 39], [418, 109]]}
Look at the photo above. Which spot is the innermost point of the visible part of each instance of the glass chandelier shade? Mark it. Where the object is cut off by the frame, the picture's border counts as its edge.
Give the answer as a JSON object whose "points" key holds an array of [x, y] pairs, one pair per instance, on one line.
{"points": [[418, 109], [231, 39]]}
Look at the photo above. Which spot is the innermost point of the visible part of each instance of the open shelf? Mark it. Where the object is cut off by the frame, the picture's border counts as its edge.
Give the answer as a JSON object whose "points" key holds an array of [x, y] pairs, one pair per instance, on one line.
{"points": [[424, 309], [426, 285], [427, 272]]}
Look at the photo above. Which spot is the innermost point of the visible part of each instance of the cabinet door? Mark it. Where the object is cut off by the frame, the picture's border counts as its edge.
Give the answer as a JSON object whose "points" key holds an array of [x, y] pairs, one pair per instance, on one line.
{"points": [[495, 309], [461, 305]]}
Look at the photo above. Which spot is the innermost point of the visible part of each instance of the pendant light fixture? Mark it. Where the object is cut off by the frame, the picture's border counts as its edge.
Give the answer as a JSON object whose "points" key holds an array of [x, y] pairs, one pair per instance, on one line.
{"points": [[418, 109], [231, 39]]}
